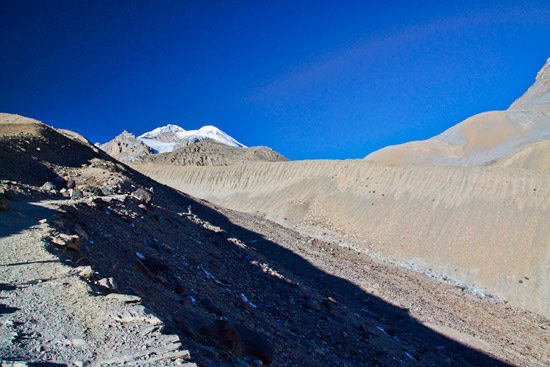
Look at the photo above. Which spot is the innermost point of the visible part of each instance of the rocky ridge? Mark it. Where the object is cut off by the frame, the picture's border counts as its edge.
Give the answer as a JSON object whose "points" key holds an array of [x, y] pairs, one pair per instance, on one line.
{"points": [[211, 153], [126, 148]]}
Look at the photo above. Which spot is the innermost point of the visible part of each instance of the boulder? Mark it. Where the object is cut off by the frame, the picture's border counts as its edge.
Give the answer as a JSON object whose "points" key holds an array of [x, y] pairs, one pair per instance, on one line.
{"points": [[143, 195], [86, 272], [312, 304], [4, 205], [223, 333], [6, 193], [108, 283], [209, 306], [256, 344], [48, 186], [72, 242]]}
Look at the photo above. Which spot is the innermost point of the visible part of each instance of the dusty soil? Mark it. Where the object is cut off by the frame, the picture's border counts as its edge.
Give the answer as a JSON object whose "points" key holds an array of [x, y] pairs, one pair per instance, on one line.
{"points": [[230, 288]]}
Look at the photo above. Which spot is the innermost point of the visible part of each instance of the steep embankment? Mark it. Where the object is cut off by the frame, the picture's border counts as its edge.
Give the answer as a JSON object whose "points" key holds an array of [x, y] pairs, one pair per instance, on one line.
{"points": [[488, 227]]}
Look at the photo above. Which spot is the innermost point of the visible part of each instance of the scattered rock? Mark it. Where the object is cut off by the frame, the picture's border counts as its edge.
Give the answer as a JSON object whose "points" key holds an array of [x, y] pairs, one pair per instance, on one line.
{"points": [[143, 195], [223, 333], [76, 194], [72, 242], [137, 314], [124, 298], [108, 283], [86, 272], [48, 186], [13, 364]]}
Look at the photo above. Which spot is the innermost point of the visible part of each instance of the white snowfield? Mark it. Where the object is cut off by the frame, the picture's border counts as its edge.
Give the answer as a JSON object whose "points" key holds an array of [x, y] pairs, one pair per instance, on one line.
{"points": [[170, 137], [486, 138]]}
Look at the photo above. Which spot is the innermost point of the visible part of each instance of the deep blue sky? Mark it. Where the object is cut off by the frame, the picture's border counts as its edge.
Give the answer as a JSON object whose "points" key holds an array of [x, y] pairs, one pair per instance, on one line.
{"points": [[312, 79]]}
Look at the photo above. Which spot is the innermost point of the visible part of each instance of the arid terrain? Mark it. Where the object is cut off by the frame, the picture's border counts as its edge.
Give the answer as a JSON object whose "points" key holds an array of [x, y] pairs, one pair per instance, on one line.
{"points": [[470, 206], [141, 274]]}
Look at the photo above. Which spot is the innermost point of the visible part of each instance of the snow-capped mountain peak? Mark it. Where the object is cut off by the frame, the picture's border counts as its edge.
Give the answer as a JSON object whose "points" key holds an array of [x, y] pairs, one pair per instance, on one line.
{"points": [[170, 137]]}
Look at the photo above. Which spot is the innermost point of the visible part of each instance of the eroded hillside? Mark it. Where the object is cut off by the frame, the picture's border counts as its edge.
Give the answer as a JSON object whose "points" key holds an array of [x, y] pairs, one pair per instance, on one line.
{"points": [[485, 228], [104, 266]]}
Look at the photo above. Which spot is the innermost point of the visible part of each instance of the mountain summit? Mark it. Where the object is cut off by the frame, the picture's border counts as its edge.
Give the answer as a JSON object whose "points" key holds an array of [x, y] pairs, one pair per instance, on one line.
{"points": [[170, 137], [175, 145]]}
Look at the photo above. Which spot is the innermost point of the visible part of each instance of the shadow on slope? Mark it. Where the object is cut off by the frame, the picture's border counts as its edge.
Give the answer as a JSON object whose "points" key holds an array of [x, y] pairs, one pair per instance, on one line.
{"points": [[190, 265], [192, 268]]}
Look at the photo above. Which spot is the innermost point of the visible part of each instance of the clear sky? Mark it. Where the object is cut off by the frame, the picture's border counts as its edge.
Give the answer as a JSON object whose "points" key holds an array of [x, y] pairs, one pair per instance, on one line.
{"points": [[311, 79]]}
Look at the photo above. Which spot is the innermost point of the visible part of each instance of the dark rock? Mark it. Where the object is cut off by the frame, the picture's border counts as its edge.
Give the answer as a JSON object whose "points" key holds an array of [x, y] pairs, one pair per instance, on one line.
{"points": [[256, 344], [6, 193], [143, 195], [312, 305], [223, 333], [209, 306], [4, 206], [154, 265]]}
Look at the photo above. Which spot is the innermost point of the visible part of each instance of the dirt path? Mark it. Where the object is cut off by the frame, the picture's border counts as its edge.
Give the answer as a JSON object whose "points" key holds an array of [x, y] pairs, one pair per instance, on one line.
{"points": [[49, 314]]}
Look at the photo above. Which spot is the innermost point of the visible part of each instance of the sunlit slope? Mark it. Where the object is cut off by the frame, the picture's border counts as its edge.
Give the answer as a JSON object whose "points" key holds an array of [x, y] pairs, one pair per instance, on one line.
{"points": [[482, 226], [535, 156], [485, 138]]}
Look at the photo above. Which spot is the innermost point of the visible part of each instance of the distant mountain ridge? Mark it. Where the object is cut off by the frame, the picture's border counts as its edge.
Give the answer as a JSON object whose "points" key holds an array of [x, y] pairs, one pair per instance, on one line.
{"points": [[171, 144], [171, 137], [486, 138]]}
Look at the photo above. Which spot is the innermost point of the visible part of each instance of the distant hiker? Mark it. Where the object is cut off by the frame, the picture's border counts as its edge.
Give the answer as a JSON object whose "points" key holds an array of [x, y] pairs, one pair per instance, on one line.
{"points": [[71, 183]]}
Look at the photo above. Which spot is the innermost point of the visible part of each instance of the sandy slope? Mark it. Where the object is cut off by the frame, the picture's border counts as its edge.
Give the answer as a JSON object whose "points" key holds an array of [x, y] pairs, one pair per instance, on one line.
{"points": [[488, 227], [535, 156], [485, 138]]}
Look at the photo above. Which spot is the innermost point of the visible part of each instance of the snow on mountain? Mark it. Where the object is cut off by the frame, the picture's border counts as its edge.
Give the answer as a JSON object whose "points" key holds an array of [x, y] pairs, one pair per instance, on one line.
{"points": [[170, 137]]}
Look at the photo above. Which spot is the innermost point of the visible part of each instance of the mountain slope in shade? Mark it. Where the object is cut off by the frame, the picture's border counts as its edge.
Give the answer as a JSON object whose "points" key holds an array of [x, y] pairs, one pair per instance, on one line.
{"points": [[483, 139], [170, 137]]}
